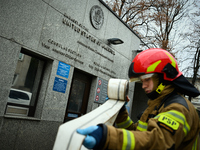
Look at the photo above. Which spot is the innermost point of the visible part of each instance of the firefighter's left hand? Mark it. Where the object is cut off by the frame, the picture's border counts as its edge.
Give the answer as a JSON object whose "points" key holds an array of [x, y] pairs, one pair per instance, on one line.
{"points": [[127, 100]]}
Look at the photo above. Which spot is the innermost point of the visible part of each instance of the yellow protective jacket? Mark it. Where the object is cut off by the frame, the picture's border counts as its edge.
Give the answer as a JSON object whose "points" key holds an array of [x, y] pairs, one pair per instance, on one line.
{"points": [[175, 126]]}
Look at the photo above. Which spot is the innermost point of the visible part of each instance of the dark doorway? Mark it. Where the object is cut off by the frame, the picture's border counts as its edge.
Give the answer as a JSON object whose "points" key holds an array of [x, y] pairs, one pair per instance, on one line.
{"points": [[139, 101], [79, 94]]}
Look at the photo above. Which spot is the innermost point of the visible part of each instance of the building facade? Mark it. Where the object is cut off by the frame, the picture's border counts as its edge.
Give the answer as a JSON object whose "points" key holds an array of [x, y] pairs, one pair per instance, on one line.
{"points": [[56, 58]]}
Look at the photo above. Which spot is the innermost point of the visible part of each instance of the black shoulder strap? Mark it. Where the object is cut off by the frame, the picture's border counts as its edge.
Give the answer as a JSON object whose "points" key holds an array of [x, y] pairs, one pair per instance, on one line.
{"points": [[175, 98]]}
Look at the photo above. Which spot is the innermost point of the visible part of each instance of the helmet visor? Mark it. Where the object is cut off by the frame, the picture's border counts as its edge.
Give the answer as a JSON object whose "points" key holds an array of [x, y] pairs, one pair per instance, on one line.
{"points": [[146, 76], [138, 79]]}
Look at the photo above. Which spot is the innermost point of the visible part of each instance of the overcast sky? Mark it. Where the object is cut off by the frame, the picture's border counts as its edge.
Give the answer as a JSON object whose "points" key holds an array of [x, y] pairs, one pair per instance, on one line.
{"points": [[186, 26]]}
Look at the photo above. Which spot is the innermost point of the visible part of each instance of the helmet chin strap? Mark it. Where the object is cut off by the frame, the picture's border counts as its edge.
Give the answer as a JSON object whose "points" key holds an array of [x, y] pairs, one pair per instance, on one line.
{"points": [[154, 94], [160, 88]]}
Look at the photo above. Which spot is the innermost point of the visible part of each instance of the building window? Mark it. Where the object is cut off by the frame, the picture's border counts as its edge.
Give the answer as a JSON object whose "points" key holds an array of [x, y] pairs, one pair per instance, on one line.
{"points": [[26, 82]]}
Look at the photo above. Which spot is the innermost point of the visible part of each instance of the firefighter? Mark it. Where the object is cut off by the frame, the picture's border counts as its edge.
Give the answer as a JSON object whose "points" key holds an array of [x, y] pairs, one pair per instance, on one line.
{"points": [[170, 122]]}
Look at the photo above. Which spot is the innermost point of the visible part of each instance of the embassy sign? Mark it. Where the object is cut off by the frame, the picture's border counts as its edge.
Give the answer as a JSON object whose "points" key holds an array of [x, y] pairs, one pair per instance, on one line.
{"points": [[96, 17]]}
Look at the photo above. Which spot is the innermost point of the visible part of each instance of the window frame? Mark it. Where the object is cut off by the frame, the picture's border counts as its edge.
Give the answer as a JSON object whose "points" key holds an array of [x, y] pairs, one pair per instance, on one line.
{"points": [[32, 108]]}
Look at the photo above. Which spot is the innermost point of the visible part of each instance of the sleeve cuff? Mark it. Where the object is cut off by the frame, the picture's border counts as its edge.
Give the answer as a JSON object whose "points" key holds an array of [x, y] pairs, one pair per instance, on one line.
{"points": [[102, 142]]}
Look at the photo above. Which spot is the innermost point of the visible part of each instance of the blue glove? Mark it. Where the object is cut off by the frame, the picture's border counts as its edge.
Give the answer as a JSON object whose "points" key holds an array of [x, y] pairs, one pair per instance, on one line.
{"points": [[93, 136], [107, 98]]}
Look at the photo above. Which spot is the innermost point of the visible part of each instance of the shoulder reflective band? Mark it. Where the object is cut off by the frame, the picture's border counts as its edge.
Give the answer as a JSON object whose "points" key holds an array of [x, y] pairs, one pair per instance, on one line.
{"points": [[177, 116], [153, 66], [142, 126], [194, 147], [169, 122], [125, 124], [128, 140]]}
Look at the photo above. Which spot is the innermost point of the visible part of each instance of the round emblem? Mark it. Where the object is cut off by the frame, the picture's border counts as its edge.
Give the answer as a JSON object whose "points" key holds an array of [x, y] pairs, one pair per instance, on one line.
{"points": [[98, 90], [96, 17], [99, 82], [97, 98]]}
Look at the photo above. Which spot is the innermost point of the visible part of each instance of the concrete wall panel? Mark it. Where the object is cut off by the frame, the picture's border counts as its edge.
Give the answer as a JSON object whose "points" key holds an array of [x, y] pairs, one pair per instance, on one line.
{"points": [[22, 21], [57, 30]]}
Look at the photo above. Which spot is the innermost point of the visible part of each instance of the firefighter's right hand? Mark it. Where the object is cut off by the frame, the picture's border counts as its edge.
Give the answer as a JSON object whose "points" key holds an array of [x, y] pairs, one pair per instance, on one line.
{"points": [[93, 136]]}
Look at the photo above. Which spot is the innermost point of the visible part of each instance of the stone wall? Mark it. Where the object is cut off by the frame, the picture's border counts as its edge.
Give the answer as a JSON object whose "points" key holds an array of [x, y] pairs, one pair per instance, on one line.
{"points": [[57, 31]]}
